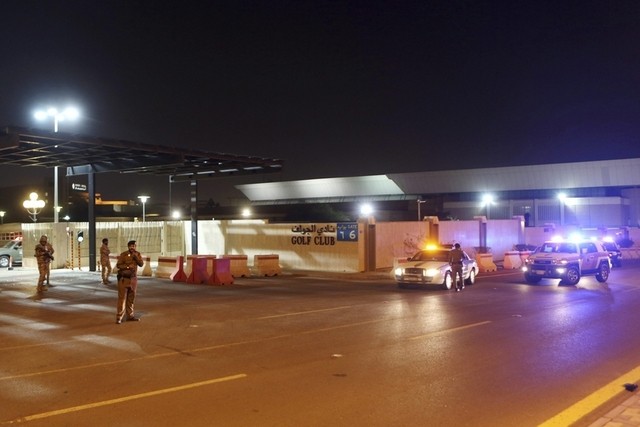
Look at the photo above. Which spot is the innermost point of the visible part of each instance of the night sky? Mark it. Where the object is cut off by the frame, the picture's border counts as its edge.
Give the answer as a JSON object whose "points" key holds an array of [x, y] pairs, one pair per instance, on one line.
{"points": [[335, 88]]}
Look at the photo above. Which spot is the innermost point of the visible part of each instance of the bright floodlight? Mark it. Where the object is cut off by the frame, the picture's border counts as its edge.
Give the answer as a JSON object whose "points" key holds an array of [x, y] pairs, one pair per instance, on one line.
{"points": [[487, 199], [562, 197], [144, 199], [40, 115], [246, 212], [71, 113], [366, 209]]}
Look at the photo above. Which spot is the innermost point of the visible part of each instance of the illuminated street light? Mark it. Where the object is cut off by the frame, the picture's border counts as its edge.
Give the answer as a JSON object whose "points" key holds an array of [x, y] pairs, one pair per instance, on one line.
{"points": [[487, 201], [176, 214], [69, 113], [143, 199], [2, 213], [366, 209], [246, 213], [33, 206]]}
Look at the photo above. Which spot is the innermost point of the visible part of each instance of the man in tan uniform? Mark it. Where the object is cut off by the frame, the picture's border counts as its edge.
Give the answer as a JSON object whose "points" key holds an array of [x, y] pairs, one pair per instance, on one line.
{"points": [[44, 256], [105, 264], [127, 265], [455, 260]]}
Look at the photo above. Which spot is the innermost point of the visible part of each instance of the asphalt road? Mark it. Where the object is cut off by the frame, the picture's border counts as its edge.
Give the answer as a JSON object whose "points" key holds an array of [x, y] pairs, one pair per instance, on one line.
{"points": [[305, 349]]}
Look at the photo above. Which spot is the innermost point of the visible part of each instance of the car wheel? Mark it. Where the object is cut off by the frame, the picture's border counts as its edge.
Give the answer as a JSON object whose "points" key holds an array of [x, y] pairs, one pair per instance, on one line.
{"points": [[572, 277], [4, 261], [472, 278], [603, 273], [447, 283], [530, 278]]}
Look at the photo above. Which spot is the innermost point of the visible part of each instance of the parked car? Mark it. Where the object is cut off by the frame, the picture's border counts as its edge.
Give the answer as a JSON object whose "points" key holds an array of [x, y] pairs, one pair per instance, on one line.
{"points": [[11, 249], [615, 255], [431, 267]]}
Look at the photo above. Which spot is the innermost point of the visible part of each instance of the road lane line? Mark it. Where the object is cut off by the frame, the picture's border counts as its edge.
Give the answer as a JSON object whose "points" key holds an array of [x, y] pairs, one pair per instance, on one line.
{"points": [[40, 344], [304, 312], [446, 331], [587, 405], [123, 399]]}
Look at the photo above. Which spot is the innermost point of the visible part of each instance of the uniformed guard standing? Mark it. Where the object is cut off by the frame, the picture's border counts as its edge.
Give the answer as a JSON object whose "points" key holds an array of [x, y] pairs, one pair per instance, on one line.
{"points": [[127, 265], [44, 256], [455, 260], [105, 264]]}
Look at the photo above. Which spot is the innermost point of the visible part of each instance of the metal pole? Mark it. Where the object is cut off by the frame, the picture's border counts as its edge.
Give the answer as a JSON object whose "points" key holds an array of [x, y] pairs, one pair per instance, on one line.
{"points": [[55, 179]]}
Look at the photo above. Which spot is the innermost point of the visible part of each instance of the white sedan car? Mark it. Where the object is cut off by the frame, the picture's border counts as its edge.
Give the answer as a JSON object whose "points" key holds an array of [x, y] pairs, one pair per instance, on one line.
{"points": [[431, 267]]}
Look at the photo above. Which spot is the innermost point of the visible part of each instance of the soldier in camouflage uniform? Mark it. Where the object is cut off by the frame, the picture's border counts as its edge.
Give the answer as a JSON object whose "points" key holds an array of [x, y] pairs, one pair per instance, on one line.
{"points": [[105, 264], [44, 256]]}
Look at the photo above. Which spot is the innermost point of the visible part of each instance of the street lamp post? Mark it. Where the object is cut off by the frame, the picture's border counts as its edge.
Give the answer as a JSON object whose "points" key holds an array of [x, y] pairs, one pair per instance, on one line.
{"points": [[420, 202], [2, 213], [143, 199], [33, 206], [69, 113]]}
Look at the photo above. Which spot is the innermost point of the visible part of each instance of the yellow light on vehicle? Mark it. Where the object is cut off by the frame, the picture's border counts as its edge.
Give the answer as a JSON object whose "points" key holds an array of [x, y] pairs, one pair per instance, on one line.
{"points": [[431, 247]]}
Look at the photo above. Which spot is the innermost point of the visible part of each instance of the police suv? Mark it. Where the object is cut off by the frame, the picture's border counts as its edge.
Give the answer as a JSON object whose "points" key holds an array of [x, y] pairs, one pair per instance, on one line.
{"points": [[567, 261]]}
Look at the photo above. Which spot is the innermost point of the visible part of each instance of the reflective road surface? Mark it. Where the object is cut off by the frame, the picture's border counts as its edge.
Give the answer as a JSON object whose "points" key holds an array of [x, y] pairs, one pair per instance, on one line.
{"points": [[312, 349]]}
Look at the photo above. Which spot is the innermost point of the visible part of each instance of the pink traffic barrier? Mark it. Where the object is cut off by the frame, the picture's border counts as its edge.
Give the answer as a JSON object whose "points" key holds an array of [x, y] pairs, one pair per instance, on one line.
{"points": [[198, 273], [179, 275], [220, 272]]}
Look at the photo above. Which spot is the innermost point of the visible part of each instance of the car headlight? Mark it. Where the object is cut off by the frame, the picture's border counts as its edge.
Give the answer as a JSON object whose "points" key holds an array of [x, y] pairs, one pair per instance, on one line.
{"points": [[399, 271], [431, 272]]}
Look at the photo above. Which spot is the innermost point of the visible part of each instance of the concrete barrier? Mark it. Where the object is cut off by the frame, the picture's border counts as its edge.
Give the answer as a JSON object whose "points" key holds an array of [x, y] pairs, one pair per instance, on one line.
{"points": [[266, 265], [629, 253], [189, 265], [198, 274], [485, 262], [145, 270], [239, 265], [179, 275], [220, 271], [166, 267], [512, 260]]}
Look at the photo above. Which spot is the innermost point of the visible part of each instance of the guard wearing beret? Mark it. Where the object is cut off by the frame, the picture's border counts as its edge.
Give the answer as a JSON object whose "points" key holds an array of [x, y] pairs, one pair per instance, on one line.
{"points": [[127, 265]]}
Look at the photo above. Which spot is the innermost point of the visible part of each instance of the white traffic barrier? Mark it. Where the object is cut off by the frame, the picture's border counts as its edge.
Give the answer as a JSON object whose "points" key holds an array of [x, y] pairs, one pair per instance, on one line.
{"points": [[166, 267], [267, 265], [485, 262], [512, 260]]}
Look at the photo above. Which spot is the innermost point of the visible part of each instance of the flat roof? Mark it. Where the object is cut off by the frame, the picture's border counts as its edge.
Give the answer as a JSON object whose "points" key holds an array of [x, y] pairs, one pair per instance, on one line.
{"points": [[82, 155]]}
